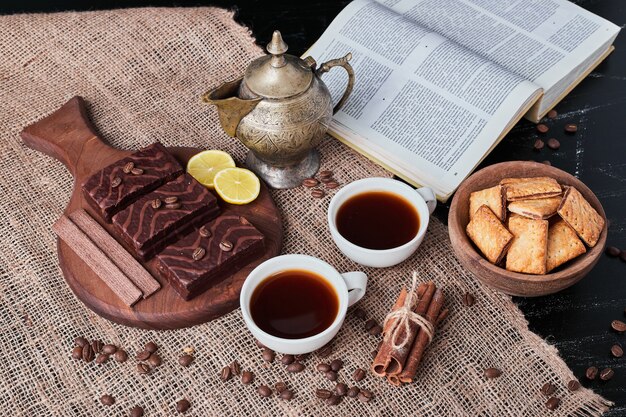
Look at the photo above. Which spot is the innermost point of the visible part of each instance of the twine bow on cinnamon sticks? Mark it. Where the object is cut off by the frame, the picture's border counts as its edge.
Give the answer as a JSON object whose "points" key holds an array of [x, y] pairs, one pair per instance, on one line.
{"points": [[408, 330]]}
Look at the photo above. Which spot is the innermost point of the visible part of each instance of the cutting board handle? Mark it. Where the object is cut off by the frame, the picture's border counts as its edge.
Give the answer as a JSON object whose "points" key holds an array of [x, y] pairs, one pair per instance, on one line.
{"points": [[67, 135]]}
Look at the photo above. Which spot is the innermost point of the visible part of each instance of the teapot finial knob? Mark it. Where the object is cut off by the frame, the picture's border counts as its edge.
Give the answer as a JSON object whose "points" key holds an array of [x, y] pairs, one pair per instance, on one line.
{"points": [[277, 47]]}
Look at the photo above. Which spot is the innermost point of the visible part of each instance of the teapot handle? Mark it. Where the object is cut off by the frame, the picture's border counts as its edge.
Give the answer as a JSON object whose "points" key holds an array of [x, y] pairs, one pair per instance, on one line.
{"points": [[342, 62]]}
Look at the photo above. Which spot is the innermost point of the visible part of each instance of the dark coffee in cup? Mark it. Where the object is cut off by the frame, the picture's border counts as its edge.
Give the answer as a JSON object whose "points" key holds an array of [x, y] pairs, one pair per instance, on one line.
{"points": [[377, 220], [294, 304]]}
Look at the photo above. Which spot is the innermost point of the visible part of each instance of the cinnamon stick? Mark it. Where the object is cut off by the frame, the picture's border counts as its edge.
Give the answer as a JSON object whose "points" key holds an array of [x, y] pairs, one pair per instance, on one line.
{"points": [[421, 342], [382, 358], [116, 252], [97, 261]]}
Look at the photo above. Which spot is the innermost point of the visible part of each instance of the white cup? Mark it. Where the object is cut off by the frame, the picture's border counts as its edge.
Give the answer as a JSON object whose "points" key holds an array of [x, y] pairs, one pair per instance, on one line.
{"points": [[349, 287], [423, 201]]}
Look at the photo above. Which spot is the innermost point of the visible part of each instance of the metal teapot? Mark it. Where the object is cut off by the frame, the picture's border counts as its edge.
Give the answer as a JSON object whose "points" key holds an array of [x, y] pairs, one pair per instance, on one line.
{"points": [[280, 109]]}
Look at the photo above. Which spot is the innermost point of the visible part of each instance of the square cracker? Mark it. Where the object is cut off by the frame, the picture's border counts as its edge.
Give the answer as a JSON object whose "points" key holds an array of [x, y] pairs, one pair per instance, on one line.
{"points": [[530, 188], [493, 198], [563, 244], [488, 233], [529, 250], [540, 209], [583, 218]]}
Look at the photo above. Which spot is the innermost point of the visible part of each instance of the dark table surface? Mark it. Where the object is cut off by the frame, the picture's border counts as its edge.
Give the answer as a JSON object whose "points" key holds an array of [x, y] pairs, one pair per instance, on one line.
{"points": [[576, 320]]}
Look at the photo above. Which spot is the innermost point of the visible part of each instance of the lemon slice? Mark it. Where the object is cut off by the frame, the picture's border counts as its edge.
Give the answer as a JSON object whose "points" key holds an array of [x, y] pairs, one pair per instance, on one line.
{"points": [[204, 165], [237, 185]]}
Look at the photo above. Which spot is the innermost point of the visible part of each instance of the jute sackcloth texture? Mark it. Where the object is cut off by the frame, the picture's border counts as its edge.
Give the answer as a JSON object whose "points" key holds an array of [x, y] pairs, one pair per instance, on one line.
{"points": [[142, 72]]}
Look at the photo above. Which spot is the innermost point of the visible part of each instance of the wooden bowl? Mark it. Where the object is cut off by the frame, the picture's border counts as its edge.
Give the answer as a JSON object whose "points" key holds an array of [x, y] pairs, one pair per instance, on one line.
{"points": [[515, 283]]}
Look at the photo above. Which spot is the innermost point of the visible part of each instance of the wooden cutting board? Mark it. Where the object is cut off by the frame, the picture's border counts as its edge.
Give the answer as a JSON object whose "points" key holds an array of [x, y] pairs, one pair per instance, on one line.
{"points": [[69, 136]]}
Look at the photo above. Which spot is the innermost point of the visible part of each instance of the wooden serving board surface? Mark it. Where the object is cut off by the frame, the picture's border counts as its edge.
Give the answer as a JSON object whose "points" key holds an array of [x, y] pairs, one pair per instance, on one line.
{"points": [[69, 136]]}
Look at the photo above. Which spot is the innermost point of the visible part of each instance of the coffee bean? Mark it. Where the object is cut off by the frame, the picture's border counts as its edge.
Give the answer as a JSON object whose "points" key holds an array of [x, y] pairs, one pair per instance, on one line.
{"points": [[143, 355], [331, 185], [109, 349], [264, 391], [353, 392], [226, 245], [156, 203], [80, 341], [323, 393], [341, 389], [617, 351], [573, 385], [310, 182], [571, 128], [226, 374], [280, 386], [553, 403], [325, 351], [204, 232], [546, 163], [77, 352], [331, 375], [173, 206], [591, 373], [115, 182], [96, 345], [360, 313], [373, 354], [88, 354], [107, 399], [358, 375], [613, 251], [136, 411], [317, 194], [376, 330], [121, 356], [151, 347], [333, 400], [619, 326], [143, 369], [491, 373], [552, 114], [295, 367], [554, 144], [259, 344], [182, 405], [286, 395], [538, 145], [155, 360], [287, 359], [136, 171], [128, 167], [606, 374], [548, 389], [336, 364], [268, 355], [326, 174], [365, 395], [102, 358], [301, 357], [185, 360], [235, 368], [323, 367], [198, 254], [468, 299], [247, 377], [370, 323], [171, 199], [327, 180], [541, 128]]}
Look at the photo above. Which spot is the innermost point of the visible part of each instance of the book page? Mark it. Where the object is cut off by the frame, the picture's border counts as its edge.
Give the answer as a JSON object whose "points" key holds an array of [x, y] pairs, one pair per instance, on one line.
{"points": [[549, 42], [422, 105]]}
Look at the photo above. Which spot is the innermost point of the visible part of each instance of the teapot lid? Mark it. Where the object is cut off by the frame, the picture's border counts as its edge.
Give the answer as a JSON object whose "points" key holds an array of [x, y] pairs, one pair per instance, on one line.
{"points": [[278, 75]]}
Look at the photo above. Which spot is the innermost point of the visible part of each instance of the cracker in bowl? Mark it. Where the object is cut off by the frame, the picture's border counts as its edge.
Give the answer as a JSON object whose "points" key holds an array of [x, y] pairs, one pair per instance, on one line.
{"points": [[563, 244], [529, 249], [493, 198], [540, 209], [489, 235], [583, 218], [530, 188]]}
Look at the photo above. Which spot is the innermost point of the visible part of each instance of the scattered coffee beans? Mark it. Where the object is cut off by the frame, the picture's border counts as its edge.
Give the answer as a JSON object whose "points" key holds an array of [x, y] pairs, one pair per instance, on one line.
{"points": [[301, 357], [323, 367], [287, 359], [155, 360], [376, 330], [310, 182], [77, 352], [341, 389], [468, 299], [619, 326], [360, 313], [554, 144], [121, 355], [264, 391], [317, 194], [365, 395], [136, 411], [143, 355], [109, 349], [323, 393], [613, 251], [143, 369], [185, 360], [295, 367], [548, 389], [358, 375], [538, 145], [491, 373], [353, 392], [336, 364], [591, 373], [571, 128], [259, 344], [150, 347], [280, 386], [552, 114], [331, 185], [541, 128], [102, 358], [96, 345], [80, 341], [107, 399], [606, 374], [88, 354], [268, 355], [331, 375], [247, 377], [183, 405], [573, 385], [286, 395], [553, 403], [225, 374], [369, 324], [235, 368], [326, 174], [617, 351], [333, 400]]}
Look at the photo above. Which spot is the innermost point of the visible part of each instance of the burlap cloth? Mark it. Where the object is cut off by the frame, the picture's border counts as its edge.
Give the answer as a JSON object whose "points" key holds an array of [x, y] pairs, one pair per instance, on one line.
{"points": [[142, 71]]}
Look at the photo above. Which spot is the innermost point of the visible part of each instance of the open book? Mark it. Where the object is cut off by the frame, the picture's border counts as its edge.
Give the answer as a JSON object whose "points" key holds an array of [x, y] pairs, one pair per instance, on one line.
{"points": [[440, 82]]}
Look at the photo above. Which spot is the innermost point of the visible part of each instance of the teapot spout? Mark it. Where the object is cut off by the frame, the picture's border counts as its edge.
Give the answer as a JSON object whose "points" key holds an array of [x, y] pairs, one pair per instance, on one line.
{"points": [[230, 108]]}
